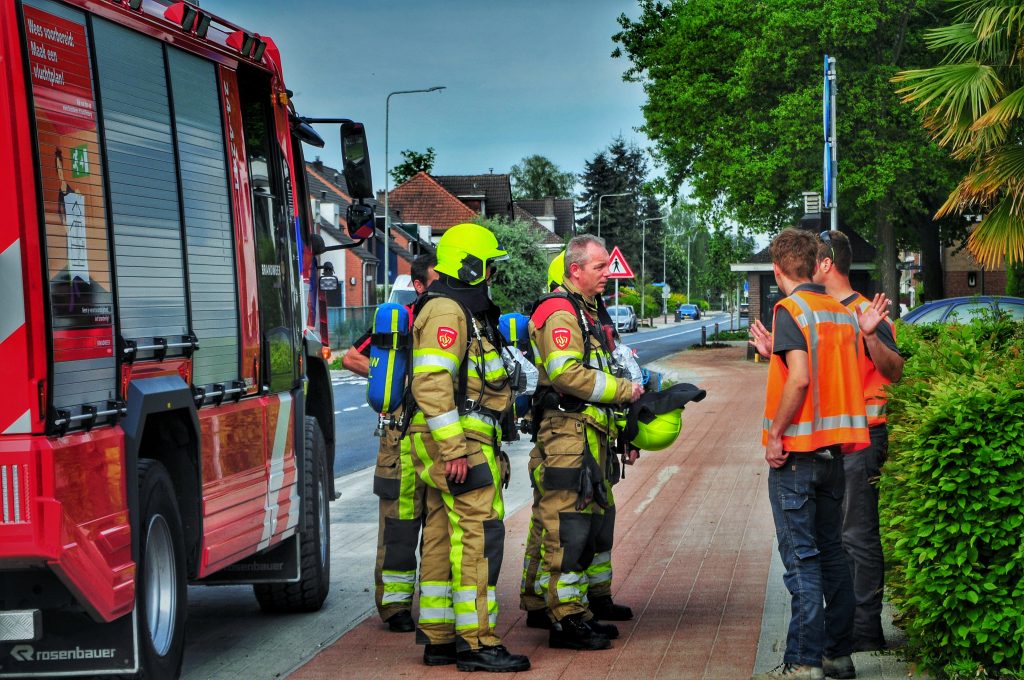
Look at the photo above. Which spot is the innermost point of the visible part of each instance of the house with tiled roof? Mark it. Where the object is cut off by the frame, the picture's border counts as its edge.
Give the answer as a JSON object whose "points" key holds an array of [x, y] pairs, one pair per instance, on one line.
{"points": [[423, 201], [361, 268], [763, 291], [558, 215], [489, 195]]}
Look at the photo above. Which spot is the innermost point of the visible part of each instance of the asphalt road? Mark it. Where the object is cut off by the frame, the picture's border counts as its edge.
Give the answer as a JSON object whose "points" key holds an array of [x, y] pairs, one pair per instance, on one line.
{"points": [[228, 637]]}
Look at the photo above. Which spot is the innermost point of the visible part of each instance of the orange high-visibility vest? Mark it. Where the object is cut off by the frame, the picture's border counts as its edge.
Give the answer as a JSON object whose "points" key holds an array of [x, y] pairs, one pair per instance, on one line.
{"points": [[873, 380], [833, 409]]}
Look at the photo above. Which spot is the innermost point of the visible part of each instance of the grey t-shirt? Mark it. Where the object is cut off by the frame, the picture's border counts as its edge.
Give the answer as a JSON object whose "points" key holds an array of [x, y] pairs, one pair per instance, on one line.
{"points": [[884, 330]]}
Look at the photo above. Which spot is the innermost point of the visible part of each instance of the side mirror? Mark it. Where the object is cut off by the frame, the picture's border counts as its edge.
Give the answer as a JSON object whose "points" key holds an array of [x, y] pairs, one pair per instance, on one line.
{"points": [[328, 281], [360, 220], [317, 244], [356, 160]]}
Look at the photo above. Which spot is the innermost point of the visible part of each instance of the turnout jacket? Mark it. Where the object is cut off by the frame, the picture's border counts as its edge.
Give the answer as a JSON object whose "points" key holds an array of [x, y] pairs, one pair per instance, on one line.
{"points": [[442, 339], [559, 341]]}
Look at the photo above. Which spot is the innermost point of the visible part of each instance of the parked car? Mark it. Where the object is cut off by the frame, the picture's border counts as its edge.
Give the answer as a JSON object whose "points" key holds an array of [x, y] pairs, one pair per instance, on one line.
{"points": [[963, 309], [624, 318], [744, 309], [402, 291], [687, 310]]}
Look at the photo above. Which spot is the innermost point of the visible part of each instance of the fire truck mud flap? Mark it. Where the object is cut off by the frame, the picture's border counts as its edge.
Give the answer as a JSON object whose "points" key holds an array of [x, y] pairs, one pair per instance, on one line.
{"points": [[72, 643]]}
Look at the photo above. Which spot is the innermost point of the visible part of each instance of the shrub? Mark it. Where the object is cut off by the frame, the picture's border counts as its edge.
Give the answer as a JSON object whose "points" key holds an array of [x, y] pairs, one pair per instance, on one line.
{"points": [[952, 497]]}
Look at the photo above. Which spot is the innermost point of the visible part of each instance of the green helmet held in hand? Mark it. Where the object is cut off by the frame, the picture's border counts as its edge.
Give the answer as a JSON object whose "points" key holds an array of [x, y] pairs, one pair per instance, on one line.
{"points": [[465, 251]]}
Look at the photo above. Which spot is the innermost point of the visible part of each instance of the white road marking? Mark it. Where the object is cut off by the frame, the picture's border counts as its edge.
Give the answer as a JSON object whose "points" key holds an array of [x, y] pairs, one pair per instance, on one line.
{"points": [[663, 478], [349, 408]]}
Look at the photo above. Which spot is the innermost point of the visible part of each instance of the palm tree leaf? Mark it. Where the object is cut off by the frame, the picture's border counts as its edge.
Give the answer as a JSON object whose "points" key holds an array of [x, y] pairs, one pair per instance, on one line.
{"points": [[1005, 110], [1004, 168], [999, 235], [959, 39], [955, 95]]}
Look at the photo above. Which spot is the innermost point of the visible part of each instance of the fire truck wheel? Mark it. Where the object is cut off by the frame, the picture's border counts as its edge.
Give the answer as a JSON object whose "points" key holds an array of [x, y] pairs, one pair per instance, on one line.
{"points": [[160, 586], [309, 593]]}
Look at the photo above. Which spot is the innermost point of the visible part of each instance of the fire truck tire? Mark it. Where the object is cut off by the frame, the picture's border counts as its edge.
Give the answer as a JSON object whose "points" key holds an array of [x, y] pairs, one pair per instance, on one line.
{"points": [[161, 586], [309, 593]]}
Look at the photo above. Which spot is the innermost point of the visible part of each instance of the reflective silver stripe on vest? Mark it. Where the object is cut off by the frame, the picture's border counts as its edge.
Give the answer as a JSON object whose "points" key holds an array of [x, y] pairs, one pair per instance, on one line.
{"points": [[875, 410], [553, 365], [443, 420], [821, 425]]}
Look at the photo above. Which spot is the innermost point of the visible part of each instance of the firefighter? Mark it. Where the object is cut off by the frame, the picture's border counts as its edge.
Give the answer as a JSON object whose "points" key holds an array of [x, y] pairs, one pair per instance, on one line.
{"points": [[575, 437], [599, 573], [399, 489], [461, 390]]}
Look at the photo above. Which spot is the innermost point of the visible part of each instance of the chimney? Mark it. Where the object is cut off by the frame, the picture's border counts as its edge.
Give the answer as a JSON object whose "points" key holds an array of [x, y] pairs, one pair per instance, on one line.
{"points": [[318, 164], [549, 205]]}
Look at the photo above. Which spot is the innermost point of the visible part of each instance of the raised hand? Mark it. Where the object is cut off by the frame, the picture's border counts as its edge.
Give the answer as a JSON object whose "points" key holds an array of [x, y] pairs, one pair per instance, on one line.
{"points": [[761, 339], [869, 319]]}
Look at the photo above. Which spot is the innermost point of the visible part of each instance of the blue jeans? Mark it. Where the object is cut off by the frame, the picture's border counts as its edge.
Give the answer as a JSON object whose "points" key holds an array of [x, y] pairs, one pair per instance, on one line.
{"points": [[806, 496]]}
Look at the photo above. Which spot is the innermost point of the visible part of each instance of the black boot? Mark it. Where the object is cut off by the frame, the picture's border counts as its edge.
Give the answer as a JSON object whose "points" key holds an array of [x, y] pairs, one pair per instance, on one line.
{"points": [[606, 610], [401, 622], [493, 660], [538, 618], [439, 655], [572, 632], [609, 630]]}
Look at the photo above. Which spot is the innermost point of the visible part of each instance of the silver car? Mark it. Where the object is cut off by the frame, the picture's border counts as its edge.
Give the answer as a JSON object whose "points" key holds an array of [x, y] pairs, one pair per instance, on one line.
{"points": [[624, 318]]}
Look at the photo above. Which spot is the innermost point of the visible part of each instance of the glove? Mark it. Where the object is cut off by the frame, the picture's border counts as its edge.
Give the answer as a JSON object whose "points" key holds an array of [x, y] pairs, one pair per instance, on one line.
{"points": [[504, 468], [585, 494]]}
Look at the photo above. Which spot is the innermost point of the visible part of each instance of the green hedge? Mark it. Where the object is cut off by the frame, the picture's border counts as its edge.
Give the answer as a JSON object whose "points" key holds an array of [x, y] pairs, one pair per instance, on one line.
{"points": [[952, 498]]}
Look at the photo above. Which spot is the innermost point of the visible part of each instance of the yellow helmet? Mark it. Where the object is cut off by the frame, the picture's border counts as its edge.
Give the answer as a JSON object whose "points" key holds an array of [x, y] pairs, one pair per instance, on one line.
{"points": [[465, 251], [556, 271], [660, 432]]}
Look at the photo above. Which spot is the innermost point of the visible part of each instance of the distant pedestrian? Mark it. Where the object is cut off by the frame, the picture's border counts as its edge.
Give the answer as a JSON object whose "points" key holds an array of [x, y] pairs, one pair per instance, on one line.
{"points": [[880, 364], [814, 411]]}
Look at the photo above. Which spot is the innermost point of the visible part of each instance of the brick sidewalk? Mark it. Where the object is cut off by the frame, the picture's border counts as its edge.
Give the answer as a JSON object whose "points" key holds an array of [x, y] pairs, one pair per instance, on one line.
{"points": [[692, 556]]}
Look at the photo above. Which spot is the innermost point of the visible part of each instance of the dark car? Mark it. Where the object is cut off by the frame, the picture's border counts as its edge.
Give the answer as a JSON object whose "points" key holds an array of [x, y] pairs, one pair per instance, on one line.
{"points": [[687, 310], [963, 309]]}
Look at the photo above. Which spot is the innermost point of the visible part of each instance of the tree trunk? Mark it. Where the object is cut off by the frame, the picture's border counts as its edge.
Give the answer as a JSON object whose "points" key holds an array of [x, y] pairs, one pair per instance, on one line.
{"points": [[931, 259], [888, 254]]}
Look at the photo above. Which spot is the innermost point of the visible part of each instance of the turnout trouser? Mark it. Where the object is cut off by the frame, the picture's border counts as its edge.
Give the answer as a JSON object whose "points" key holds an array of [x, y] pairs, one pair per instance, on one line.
{"points": [[401, 515], [569, 472], [599, 573], [462, 548]]}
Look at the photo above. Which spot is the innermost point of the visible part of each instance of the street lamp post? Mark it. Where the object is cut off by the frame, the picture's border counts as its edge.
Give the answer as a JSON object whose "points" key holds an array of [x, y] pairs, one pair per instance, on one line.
{"points": [[387, 193], [625, 193], [643, 261]]}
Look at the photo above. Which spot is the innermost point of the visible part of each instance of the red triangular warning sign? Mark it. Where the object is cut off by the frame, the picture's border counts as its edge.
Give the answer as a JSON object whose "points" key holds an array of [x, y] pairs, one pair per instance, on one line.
{"points": [[618, 268]]}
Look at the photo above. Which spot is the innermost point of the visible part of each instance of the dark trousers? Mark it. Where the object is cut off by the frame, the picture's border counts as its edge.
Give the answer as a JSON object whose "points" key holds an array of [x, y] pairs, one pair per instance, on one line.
{"points": [[806, 496], [860, 534]]}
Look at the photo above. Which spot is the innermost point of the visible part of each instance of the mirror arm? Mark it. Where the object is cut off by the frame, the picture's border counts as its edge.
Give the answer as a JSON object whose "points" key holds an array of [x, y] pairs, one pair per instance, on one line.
{"points": [[344, 246]]}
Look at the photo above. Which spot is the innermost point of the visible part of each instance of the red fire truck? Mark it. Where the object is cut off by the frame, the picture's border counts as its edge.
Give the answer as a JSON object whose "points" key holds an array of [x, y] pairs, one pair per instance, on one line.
{"points": [[167, 415]]}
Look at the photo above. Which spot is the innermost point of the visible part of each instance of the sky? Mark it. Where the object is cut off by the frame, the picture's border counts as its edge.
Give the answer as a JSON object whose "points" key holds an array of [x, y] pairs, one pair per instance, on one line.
{"points": [[525, 77]]}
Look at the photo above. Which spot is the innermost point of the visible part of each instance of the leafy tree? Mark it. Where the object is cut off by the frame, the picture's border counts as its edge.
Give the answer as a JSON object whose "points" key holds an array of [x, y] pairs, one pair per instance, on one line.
{"points": [[721, 248], [523, 277], [414, 162], [734, 110], [973, 103], [537, 177], [622, 169]]}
